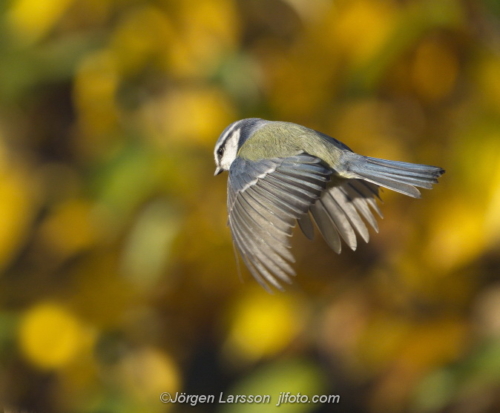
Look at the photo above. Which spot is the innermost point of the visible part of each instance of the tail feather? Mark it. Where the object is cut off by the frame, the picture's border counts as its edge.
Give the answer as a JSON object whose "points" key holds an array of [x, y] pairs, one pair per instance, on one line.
{"points": [[401, 177]]}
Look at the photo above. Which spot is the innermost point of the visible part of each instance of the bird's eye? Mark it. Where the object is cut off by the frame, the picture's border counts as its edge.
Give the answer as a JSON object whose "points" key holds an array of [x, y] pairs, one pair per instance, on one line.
{"points": [[220, 151]]}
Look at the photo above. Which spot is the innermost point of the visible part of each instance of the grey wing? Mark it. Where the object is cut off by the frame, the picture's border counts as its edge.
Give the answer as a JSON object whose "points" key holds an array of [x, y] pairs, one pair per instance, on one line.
{"points": [[340, 211], [265, 199]]}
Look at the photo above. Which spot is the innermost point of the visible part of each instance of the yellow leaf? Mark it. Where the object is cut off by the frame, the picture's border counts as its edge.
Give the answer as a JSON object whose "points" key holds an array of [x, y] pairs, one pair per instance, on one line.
{"points": [[207, 30], [363, 27], [50, 336], [263, 325], [190, 116], [31, 19], [142, 35], [458, 235]]}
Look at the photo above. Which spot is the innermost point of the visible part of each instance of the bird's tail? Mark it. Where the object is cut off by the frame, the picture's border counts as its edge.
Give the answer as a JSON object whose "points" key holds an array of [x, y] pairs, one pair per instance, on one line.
{"points": [[401, 177]]}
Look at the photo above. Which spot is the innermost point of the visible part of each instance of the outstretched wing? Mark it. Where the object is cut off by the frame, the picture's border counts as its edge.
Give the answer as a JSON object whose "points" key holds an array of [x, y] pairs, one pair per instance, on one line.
{"points": [[265, 199], [341, 212]]}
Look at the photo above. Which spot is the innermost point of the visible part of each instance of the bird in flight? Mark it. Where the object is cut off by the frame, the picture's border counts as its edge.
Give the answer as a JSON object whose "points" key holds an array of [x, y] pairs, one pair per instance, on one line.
{"points": [[281, 173]]}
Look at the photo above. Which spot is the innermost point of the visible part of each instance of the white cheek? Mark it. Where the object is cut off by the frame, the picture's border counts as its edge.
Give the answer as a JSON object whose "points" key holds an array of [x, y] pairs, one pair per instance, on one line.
{"points": [[230, 150]]}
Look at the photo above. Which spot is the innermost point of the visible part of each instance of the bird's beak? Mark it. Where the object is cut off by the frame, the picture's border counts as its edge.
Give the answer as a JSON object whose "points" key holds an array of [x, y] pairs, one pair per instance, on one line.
{"points": [[218, 170]]}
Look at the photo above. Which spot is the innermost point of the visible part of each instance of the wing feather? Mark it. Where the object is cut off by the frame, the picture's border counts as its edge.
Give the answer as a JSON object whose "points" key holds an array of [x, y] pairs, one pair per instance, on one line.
{"points": [[326, 227], [265, 199], [341, 210]]}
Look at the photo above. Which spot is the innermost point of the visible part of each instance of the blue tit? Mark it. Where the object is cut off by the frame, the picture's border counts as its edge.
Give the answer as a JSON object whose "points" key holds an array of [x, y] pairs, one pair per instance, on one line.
{"points": [[281, 173]]}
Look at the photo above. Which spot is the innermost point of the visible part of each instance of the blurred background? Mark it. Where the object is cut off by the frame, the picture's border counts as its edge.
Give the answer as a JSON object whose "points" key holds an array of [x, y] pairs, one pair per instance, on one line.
{"points": [[118, 277]]}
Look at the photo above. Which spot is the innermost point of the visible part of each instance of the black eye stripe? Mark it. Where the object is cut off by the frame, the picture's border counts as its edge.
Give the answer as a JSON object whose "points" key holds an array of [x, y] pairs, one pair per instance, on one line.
{"points": [[228, 136], [235, 135]]}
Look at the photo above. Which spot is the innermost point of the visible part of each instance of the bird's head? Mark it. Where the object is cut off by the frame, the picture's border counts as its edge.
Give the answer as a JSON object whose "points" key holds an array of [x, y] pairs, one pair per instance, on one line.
{"points": [[231, 140]]}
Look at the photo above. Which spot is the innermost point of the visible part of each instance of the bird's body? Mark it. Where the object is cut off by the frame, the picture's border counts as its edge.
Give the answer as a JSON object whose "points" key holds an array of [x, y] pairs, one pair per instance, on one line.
{"points": [[282, 173], [284, 139]]}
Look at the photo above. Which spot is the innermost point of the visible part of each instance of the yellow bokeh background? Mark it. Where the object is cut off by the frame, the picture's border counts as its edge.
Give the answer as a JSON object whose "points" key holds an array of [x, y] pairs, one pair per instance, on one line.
{"points": [[118, 278], [50, 336]]}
